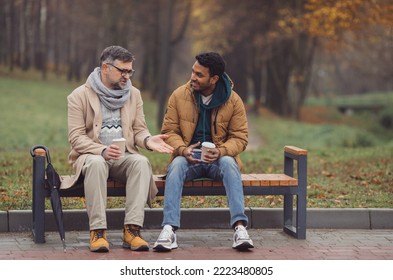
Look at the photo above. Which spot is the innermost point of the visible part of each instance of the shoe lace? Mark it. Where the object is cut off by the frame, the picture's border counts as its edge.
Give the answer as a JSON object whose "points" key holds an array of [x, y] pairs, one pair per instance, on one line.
{"points": [[97, 234], [134, 231], [166, 235], [241, 233]]}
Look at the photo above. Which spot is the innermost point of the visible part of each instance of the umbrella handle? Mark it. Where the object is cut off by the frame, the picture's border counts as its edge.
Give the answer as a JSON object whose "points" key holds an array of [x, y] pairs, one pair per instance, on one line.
{"points": [[32, 151]]}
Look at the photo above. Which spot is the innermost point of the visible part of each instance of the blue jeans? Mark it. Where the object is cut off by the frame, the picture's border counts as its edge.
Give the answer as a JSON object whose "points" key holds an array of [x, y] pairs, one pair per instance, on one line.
{"points": [[180, 171]]}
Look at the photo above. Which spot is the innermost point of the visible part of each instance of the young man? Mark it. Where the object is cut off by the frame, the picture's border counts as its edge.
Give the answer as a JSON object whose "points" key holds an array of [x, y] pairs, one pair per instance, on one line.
{"points": [[107, 107], [205, 110]]}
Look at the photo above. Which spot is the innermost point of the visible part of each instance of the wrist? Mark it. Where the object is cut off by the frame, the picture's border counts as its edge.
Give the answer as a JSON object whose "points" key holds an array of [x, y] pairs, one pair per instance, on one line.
{"points": [[145, 143], [183, 152]]}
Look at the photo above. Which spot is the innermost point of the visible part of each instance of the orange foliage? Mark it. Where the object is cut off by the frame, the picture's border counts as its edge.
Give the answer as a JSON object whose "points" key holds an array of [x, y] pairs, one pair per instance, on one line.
{"points": [[332, 17]]}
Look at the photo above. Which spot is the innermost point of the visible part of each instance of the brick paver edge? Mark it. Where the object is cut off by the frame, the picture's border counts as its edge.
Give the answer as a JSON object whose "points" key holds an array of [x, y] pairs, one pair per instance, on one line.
{"points": [[329, 218]]}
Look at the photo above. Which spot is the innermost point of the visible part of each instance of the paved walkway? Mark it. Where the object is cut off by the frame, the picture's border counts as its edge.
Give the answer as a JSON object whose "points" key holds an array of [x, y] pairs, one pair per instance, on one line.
{"points": [[211, 245]]}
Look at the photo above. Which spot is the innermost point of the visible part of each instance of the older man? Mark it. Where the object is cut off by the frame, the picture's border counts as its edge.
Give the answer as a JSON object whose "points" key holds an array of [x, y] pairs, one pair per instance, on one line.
{"points": [[108, 107]]}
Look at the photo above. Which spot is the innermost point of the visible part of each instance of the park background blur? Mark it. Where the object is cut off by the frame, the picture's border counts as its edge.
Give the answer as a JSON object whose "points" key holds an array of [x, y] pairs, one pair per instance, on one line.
{"points": [[312, 73]]}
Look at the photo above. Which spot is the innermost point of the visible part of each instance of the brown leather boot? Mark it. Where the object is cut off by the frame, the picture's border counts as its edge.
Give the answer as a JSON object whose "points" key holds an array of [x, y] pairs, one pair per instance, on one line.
{"points": [[98, 241], [133, 240]]}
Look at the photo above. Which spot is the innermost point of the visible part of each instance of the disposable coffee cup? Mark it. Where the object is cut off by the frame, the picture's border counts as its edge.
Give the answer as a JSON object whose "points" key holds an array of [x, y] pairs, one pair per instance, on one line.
{"points": [[206, 146], [196, 153], [121, 143]]}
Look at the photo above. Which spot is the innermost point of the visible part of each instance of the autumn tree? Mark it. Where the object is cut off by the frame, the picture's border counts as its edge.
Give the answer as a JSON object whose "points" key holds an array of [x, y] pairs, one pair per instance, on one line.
{"points": [[357, 37], [270, 46], [262, 44], [277, 40]]}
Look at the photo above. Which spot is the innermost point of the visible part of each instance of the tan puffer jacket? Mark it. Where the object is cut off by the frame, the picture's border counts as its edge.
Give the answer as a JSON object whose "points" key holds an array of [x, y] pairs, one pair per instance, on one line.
{"points": [[229, 123]]}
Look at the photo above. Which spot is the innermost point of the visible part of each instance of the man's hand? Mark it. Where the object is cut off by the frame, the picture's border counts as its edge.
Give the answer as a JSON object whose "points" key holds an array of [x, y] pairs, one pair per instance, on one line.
{"points": [[157, 143], [211, 155], [112, 152], [188, 153]]}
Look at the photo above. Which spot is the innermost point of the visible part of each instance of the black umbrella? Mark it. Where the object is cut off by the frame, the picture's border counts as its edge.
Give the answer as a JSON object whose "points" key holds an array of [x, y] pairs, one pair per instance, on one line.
{"points": [[53, 181]]}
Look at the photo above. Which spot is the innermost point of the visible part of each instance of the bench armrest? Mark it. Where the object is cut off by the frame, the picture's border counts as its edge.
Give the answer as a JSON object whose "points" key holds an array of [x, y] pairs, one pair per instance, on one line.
{"points": [[296, 155], [291, 154], [295, 150]]}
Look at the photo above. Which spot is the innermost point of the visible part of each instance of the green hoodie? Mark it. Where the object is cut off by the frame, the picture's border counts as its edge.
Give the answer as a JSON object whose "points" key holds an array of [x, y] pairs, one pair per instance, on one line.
{"points": [[221, 94]]}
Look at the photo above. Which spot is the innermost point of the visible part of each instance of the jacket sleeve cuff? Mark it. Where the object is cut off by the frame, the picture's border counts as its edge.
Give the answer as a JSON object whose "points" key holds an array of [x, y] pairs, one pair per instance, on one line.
{"points": [[181, 150], [223, 152], [145, 143]]}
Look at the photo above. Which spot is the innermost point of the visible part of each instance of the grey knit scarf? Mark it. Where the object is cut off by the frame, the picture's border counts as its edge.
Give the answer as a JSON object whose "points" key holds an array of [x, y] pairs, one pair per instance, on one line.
{"points": [[110, 98]]}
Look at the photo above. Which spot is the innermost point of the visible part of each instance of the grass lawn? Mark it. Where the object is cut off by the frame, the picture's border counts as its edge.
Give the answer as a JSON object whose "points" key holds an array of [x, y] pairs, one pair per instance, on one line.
{"points": [[350, 157]]}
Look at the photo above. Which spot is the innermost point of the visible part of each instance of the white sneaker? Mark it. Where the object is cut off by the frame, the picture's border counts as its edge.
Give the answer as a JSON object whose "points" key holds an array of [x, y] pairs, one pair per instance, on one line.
{"points": [[167, 240], [241, 240]]}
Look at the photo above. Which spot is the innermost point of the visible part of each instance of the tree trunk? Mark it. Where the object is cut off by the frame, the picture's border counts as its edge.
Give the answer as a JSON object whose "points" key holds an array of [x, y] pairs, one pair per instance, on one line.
{"points": [[167, 45], [278, 71], [257, 79], [304, 51], [55, 36], [12, 33], [45, 25], [37, 58], [151, 55], [165, 56], [236, 67]]}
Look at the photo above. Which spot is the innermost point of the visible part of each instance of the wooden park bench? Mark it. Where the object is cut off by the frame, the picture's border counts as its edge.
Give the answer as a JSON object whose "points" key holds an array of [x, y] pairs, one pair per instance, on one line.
{"points": [[291, 184]]}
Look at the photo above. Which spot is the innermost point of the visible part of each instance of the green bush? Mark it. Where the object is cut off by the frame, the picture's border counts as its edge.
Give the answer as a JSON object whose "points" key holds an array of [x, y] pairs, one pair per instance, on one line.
{"points": [[386, 118], [360, 139]]}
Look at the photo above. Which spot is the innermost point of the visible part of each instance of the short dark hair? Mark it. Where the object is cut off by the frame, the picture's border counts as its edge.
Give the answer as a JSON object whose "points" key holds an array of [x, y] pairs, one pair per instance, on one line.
{"points": [[112, 53], [213, 61]]}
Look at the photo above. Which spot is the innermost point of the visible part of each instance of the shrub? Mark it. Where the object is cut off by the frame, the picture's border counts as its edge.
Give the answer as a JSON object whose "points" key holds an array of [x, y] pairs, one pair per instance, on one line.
{"points": [[386, 118], [360, 139]]}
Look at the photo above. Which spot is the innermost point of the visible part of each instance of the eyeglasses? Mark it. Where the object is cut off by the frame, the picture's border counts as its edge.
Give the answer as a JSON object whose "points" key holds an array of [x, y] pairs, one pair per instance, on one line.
{"points": [[124, 72]]}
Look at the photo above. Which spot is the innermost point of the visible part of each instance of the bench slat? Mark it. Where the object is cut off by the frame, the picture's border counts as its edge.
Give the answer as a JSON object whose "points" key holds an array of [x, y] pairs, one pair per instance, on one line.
{"points": [[249, 180]]}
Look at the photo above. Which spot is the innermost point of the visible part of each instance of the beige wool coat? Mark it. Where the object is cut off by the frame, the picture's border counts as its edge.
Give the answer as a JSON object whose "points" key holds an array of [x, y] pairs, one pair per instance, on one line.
{"points": [[84, 126]]}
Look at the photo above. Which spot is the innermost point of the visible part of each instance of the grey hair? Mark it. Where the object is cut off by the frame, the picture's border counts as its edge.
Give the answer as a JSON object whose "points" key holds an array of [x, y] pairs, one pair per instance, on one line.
{"points": [[112, 53]]}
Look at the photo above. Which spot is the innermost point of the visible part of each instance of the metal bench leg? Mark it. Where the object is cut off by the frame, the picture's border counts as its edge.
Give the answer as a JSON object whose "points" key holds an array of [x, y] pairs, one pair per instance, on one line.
{"points": [[288, 211], [39, 199], [301, 213], [298, 230], [301, 217], [288, 200]]}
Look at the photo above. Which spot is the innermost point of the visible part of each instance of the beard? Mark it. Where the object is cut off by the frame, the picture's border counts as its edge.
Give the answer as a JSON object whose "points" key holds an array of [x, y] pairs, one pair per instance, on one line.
{"points": [[119, 85], [116, 86], [203, 89], [198, 87]]}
